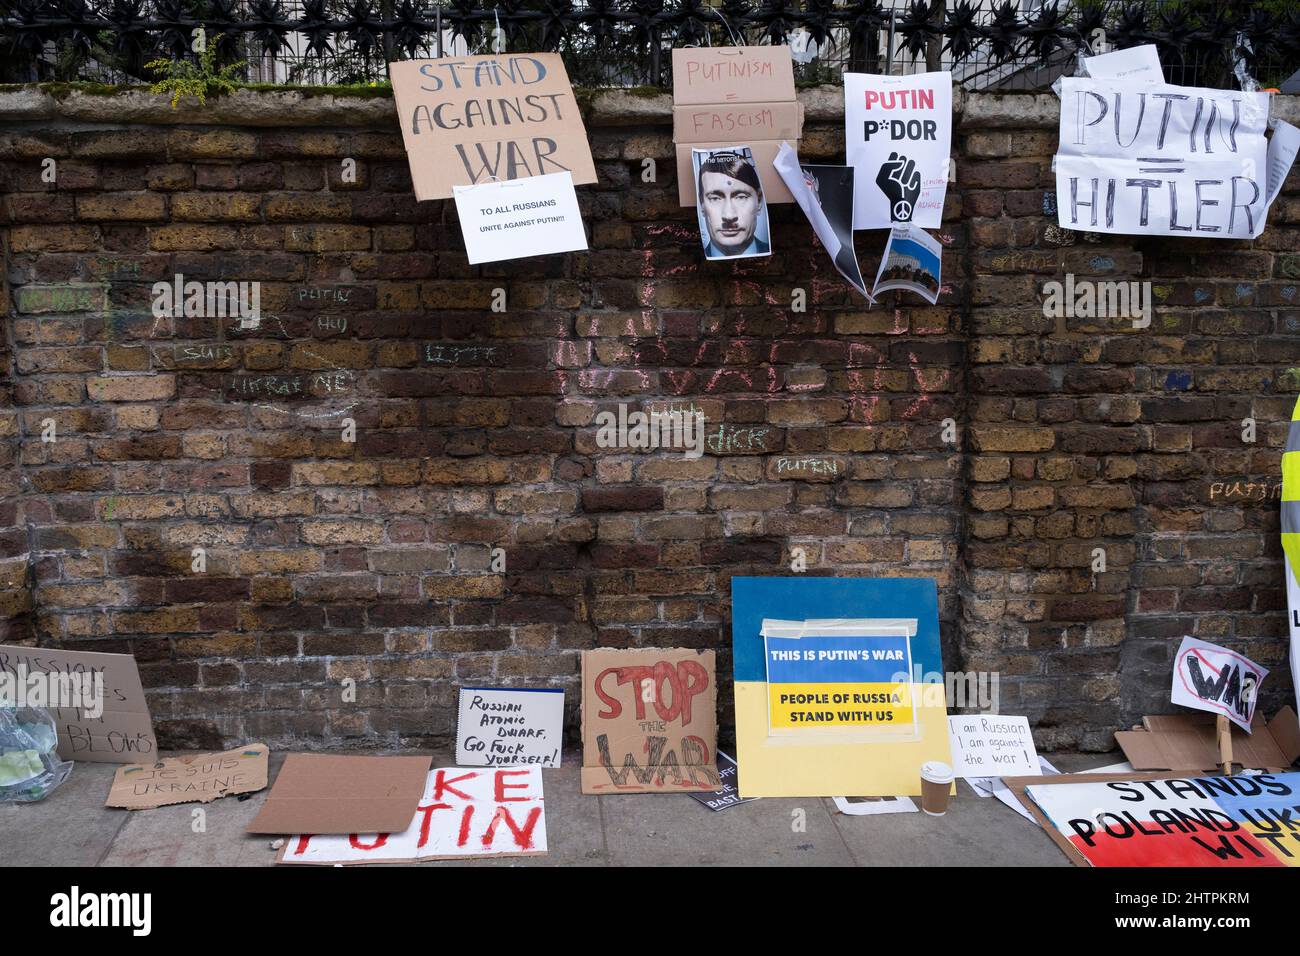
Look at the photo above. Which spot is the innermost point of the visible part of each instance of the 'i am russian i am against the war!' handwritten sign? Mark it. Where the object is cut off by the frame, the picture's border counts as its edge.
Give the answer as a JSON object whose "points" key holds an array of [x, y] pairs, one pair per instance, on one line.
{"points": [[475, 119]]}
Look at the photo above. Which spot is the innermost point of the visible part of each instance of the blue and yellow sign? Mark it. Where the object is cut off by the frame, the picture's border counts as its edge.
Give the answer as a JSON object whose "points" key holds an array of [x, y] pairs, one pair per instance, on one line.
{"points": [[839, 685], [833, 683]]}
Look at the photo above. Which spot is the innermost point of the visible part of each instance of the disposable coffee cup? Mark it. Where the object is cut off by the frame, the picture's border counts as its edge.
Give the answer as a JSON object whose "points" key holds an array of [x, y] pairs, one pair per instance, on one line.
{"points": [[936, 784]]}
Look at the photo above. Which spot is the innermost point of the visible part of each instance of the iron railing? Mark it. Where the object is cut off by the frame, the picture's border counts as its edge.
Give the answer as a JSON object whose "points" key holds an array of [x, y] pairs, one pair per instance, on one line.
{"points": [[988, 43]]}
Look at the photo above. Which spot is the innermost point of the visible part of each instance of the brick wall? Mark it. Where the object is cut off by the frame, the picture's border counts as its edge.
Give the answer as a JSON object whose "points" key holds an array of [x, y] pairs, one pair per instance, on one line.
{"points": [[372, 560]]}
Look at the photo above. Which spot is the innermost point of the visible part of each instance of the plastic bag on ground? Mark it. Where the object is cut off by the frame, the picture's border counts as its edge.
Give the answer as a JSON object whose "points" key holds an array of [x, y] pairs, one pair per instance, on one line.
{"points": [[30, 766]]}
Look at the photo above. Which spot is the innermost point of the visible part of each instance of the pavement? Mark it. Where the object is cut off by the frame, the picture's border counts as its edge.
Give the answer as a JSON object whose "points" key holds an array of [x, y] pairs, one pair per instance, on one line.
{"points": [[72, 827]]}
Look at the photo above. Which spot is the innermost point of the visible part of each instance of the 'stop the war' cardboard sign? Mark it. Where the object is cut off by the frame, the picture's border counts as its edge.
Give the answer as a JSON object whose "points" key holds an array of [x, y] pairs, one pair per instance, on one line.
{"points": [[649, 721], [1141, 158], [475, 119]]}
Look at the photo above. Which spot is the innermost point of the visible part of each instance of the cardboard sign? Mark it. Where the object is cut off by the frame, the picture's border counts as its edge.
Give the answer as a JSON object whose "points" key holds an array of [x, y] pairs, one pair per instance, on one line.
{"points": [[520, 217], [122, 731], [836, 751], [1142, 158], [1188, 743], [734, 94], [898, 136], [323, 793], [913, 262], [728, 796], [511, 727], [991, 745], [201, 778], [839, 677], [727, 75], [649, 721], [825, 194], [731, 207], [1213, 678], [1198, 821], [474, 119], [461, 813]]}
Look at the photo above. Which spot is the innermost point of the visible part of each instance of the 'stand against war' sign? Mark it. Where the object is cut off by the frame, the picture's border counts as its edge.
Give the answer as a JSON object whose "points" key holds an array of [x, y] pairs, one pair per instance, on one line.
{"points": [[479, 119]]}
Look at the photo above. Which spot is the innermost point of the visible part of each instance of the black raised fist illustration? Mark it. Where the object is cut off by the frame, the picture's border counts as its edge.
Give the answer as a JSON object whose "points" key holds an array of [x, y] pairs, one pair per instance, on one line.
{"points": [[900, 181]]}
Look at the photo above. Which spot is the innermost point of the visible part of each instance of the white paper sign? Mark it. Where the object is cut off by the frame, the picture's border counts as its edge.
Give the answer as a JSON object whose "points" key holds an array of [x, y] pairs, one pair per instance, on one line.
{"points": [[874, 806], [992, 745], [1213, 678], [495, 811], [1136, 63], [505, 727], [1282, 148], [898, 136], [535, 216], [1140, 158]]}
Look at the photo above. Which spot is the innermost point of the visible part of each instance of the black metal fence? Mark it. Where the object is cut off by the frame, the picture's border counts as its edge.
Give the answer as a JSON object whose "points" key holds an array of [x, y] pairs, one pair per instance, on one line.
{"points": [[997, 44]]}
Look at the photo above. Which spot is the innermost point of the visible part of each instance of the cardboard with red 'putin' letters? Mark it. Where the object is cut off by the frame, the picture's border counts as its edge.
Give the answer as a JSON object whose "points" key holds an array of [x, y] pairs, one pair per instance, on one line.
{"points": [[649, 721]]}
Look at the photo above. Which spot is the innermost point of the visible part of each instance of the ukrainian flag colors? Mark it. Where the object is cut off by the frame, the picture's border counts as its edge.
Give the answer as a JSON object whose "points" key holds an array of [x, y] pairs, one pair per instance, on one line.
{"points": [[1291, 540], [826, 750]]}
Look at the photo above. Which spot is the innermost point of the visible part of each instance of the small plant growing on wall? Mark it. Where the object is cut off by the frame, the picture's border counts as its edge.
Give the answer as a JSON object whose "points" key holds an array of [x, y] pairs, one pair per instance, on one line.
{"points": [[195, 77]]}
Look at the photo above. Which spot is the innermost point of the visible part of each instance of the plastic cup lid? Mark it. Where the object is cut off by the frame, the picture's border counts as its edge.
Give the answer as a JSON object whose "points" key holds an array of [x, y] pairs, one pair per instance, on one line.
{"points": [[936, 771]]}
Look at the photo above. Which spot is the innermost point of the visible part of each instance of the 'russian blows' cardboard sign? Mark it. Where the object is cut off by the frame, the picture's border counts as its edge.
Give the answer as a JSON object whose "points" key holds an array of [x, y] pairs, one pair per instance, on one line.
{"points": [[649, 721], [476, 119]]}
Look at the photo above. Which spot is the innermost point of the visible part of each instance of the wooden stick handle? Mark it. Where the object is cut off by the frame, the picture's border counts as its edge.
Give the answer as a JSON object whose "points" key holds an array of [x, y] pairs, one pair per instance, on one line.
{"points": [[1224, 728]]}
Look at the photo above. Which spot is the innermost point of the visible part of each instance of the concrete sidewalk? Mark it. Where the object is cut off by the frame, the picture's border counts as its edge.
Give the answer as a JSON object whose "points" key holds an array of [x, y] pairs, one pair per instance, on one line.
{"points": [[73, 828]]}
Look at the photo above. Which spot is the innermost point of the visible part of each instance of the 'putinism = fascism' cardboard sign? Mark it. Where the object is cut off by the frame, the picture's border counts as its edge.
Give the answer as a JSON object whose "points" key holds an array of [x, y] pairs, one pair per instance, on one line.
{"points": [[1140, 158], [898, 135], [474, 119], [497, 811], [649, 720], [1199, 821], [96, 700], [734, 94], [827, 713]]}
